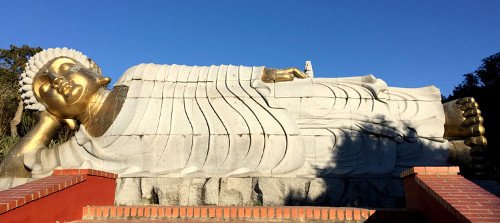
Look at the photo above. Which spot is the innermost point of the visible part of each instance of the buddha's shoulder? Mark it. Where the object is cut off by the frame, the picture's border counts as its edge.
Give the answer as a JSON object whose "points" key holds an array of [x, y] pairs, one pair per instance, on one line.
{"points": [[187, 73]]}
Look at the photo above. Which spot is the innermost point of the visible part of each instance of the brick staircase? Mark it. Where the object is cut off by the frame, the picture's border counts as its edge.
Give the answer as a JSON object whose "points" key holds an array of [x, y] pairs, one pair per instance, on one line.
{"points": [[442, 195], [59, 197]]}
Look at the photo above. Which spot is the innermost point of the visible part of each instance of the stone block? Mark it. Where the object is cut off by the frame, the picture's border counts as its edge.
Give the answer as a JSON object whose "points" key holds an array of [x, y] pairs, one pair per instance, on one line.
{"points": [[362, 191], [196, 191], [236, 191], [147, 191], [128, 191], [317, 192], [272, 190], [283, 191], [172, 191], [211, 191]]}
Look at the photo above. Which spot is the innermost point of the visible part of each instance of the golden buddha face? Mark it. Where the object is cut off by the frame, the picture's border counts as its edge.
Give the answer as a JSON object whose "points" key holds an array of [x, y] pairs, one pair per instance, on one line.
{"points": [[66, 87]]}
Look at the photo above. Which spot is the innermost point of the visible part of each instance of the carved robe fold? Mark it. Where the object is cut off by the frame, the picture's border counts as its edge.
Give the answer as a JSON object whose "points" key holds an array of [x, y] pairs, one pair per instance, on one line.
{"points": [[223, 120], [179, 120]]}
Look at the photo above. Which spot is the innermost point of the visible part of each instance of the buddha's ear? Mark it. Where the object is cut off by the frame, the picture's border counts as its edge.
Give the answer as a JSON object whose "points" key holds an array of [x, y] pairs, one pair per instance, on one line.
{"points": [[61, 65], [103, 81]]}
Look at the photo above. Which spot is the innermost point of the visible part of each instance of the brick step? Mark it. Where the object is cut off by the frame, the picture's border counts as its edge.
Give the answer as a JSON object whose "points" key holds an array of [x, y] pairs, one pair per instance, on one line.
{"points": [[145, 220], [242, 214], [441, 195]]}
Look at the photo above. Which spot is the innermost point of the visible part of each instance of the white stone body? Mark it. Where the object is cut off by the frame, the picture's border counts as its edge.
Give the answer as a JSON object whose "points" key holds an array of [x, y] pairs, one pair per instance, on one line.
{"points": [[183, 121]]}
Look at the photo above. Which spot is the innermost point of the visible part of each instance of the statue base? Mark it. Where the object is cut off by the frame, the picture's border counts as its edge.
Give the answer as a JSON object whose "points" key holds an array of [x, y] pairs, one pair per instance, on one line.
{"points": [[259, 191]]}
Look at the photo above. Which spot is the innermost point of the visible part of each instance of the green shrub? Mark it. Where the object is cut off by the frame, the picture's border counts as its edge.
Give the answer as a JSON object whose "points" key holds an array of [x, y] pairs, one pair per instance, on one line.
{"points": [[6, 143]]}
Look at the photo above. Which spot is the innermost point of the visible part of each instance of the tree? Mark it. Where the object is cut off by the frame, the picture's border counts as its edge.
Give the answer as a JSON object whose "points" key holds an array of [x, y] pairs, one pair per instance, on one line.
{"points": [[484, 85], [12, 63]]}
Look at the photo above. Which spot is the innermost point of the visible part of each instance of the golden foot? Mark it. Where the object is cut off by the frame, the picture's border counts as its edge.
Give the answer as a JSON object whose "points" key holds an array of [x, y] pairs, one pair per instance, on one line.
{"points": [[464, 121], [464, 130]]}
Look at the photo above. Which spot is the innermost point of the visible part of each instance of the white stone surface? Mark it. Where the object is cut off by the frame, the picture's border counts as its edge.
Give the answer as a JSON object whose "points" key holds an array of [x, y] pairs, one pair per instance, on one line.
{"points": [[128, 191], [223, 121], [317, 192], [170, 191], [211, 191], [283, 191], [308, 69], [362, 190], [196, 191], [236, 192]]}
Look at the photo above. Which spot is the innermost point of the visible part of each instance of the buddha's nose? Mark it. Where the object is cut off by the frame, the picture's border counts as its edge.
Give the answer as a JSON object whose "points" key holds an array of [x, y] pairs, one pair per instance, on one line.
{"points": [[58, 84]]}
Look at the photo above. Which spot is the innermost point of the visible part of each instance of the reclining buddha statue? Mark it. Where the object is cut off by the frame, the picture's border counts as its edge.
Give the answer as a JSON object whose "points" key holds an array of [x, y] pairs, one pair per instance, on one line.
{"points": [[208, 121]]}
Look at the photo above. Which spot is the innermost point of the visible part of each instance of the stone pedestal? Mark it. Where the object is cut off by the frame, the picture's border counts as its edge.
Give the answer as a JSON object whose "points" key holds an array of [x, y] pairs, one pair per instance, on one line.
{"points": [[261, 191]]}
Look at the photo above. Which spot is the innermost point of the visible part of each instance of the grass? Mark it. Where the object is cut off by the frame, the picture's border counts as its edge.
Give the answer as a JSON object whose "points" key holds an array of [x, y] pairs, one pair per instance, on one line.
{"points": [[6, 143]]}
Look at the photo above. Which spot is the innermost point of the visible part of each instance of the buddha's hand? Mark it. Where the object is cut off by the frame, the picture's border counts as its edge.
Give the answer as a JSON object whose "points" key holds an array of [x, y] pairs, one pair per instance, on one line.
{"points": [[464, 121], [278, 75]]}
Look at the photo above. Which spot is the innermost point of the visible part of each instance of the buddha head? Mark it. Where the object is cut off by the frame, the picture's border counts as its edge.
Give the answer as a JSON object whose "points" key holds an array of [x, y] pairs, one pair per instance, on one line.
{"points": [[65, 87], [62, 81]]}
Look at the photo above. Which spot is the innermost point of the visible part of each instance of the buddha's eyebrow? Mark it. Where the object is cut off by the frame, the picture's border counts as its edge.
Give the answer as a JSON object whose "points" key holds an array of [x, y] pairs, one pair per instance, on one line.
{"points": [[76, 68]]}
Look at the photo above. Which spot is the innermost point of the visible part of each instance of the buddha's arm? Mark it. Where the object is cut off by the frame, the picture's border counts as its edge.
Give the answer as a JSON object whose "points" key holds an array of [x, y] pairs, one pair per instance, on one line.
{"points": [[38, 137]]}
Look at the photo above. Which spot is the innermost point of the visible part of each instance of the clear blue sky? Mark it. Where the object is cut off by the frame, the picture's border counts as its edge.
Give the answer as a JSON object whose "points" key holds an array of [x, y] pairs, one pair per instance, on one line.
{"points": [[406, 43]]}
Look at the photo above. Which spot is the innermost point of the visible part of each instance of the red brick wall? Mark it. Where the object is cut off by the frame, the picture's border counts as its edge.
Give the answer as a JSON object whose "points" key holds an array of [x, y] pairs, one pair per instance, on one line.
{"points": [[59, 197], [441, 195]]}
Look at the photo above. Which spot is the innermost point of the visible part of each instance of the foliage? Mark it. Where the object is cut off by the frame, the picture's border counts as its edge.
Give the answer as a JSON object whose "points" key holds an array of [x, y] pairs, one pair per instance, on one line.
{"points": [[6, 143], [12, 62], [484, 85]]}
